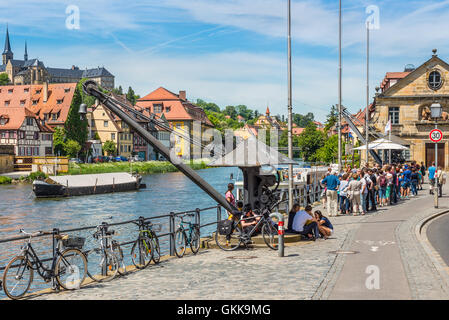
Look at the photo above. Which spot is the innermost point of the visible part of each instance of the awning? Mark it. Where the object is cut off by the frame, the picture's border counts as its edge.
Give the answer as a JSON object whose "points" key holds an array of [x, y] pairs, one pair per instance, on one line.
{"points": [[383, 144]]}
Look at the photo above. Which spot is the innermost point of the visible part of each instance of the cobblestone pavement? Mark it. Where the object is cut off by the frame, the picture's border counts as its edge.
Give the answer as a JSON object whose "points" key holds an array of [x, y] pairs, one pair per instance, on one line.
{"points": [[215, 274], [308, 271]]}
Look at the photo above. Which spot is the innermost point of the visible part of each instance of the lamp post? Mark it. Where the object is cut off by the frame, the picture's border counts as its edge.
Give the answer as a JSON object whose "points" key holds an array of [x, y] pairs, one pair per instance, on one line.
{"points": [[435, 112], [290, 107]]}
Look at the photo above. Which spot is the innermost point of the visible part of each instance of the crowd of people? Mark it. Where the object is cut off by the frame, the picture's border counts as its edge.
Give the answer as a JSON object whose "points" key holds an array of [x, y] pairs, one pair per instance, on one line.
{"points": [[358, 191]]}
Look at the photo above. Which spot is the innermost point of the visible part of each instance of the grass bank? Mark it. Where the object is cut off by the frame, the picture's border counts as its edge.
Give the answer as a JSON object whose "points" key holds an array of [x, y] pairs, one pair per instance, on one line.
{"points": [[148, 167], [5, 180]]}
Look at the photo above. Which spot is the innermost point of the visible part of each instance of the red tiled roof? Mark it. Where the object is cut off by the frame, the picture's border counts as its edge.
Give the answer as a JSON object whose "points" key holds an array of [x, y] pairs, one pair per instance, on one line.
{"points": [[392, 76], [15, 116], [56, 91], [179, 109], [297, 131]]}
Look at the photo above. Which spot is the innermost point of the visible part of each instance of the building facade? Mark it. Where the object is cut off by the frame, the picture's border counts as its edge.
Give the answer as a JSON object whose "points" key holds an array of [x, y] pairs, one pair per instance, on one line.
{"points": [[33, 71], [405, 99]]}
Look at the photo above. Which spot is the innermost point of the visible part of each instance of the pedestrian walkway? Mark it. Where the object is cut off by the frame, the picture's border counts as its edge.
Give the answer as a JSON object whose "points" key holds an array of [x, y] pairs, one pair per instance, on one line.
{"points": [[309, 270]]}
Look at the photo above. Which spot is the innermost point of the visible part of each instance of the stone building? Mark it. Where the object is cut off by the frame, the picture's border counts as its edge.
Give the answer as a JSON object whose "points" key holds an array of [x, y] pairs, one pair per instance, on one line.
{"points": [[33, 71], [405, 98]]}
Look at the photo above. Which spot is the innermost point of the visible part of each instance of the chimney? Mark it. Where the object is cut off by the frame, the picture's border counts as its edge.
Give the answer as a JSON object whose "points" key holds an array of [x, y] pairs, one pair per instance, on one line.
{"points": [[182, 95], [45, 87]]}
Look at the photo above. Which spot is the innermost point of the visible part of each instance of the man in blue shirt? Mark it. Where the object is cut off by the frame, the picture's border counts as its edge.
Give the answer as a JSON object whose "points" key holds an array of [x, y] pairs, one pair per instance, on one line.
{"points": [[332, 183], [407, 180], [432, 170]]}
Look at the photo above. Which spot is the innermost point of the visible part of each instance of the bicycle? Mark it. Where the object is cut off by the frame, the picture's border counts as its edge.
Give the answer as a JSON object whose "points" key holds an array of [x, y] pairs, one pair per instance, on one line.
{"points": [[230, 234], [68, 267], [147, 245], [187, 236], [106, 261]]}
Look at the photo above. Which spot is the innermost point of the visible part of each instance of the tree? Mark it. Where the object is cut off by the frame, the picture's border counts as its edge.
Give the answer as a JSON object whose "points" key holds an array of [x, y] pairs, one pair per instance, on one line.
{"points": [[303, 120], [72, 148], [4, 79], [329, 152], [230, 111], [207, 106], [332, 118], [309, 141], [109, 147], [58, 141], [131, 96], [243, 111], [75, 128]]}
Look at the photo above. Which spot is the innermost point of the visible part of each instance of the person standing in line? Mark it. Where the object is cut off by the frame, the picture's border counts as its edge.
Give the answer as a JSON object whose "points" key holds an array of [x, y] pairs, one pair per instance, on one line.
{"points": [[323, 192], [414, 181], [432, 171], [423, 173], [441, 180], [332, 183], [344, 201], [373, 189], [382, 183], [366, 184], [230, 196], [353, 190]]}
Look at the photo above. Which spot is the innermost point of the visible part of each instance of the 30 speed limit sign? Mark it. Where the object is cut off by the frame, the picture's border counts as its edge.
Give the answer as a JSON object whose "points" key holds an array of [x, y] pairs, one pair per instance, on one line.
{"points": [[436, 135]]}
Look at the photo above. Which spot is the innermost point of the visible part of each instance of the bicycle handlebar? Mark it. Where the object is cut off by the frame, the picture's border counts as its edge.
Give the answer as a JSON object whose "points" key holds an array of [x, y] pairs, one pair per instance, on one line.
{"points": [[38, 233]]}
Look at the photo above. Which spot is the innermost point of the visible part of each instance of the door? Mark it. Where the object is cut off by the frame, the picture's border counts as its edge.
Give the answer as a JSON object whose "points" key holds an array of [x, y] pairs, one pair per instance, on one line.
{"points": [[430, 154]]}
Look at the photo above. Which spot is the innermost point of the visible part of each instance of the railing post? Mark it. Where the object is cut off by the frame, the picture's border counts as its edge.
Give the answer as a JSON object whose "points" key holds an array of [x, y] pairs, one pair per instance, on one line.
{"points": [[218, 213], [197, 217], [172, 233], [141, 227], [104, 270], [54, 283]]}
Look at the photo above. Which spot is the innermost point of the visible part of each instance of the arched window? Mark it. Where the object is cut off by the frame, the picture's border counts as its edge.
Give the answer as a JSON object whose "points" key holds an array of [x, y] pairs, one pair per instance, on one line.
{"points": [[435, 80]]}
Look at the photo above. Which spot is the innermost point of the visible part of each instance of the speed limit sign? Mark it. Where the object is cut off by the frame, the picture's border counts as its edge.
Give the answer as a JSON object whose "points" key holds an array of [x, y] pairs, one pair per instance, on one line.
{"points": [[436, 135]]}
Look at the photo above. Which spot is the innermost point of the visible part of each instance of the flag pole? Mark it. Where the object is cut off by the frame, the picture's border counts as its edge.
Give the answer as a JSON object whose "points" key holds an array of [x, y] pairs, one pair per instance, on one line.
{"points": [[339, 91], [290, 115], [367, 93]]}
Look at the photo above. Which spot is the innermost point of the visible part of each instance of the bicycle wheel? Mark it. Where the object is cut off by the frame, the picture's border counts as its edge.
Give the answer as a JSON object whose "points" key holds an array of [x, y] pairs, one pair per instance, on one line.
{"points": [[195, 241], [101, 267], [142, 252], [118, 252], [71, 269], [156, 249], [229, 242], [180, 243], [17, 277], [270, 236]]}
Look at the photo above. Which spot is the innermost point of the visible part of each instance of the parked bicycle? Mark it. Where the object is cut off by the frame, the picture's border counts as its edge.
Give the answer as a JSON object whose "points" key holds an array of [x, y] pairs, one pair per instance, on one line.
{"points": [[105, 261], [230, 234], [68, 266], [188, 233], [146, 247]]}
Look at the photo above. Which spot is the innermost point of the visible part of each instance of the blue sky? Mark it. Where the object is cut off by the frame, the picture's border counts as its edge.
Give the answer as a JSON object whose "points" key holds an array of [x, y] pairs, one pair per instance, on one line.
{"points": [[232, 51]]}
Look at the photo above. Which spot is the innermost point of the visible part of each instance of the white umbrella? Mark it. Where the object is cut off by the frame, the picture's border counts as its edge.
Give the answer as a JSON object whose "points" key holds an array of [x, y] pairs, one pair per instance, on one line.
{"points": [[383, 144]]}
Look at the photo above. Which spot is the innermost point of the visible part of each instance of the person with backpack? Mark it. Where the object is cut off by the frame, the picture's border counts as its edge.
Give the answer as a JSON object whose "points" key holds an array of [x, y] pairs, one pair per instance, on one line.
{"points": [[414, 181], [373, 189]]}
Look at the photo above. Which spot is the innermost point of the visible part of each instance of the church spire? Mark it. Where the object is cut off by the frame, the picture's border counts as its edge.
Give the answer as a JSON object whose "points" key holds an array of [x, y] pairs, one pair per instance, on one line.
{"points": [[25, 56], [7, 53]]}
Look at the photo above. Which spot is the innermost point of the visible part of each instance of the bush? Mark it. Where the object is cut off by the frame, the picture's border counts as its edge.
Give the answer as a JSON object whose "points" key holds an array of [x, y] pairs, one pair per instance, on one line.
{"points": [[5, 180], [36, 175]]}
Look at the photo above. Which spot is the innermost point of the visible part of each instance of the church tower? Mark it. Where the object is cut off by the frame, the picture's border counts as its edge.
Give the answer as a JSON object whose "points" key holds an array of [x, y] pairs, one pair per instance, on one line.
{"points": [[7, 53], [25, 56]]}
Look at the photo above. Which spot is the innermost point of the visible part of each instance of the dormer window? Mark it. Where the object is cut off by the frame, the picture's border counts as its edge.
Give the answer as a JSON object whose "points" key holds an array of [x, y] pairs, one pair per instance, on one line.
{"points": [[10, 90], [38, 91], [54, 116], [22, 102], [26, 90], [435, 80], [157, 108], [59, 101], [3, 120], [7, 103], [67, 90], [167, 109], [35, 102]]}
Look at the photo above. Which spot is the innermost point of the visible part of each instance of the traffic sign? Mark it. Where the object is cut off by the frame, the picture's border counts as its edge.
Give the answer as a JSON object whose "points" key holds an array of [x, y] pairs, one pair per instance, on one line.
{"points": [[436, 135]]}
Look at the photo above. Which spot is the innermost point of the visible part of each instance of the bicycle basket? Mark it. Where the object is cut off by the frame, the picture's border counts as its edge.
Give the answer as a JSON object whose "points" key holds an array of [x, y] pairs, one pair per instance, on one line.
{"points": [[225, 227], [74, 242]]}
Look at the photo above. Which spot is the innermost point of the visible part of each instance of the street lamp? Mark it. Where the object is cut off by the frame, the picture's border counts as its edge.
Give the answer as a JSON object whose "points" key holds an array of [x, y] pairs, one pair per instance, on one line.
{"points": [[435, 113], [82, 111]]}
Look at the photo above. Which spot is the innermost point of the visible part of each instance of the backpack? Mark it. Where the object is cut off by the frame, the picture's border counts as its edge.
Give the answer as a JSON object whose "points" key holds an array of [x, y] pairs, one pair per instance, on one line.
{"points": [[383, 181], [225, 227]]}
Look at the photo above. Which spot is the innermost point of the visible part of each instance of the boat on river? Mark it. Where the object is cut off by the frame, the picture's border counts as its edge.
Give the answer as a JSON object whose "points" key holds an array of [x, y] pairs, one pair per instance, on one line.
{"points": [[86, 184]]}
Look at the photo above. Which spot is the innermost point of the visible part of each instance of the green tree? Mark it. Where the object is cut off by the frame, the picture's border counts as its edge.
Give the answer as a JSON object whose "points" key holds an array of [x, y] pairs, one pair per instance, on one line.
{"points": [[118, 90], [329, 152], [207, 106], [332, 118], [131, 96], [309, 141], [303, 121], [109, 147], [4, 79], [58, 141], [244, 111], [72, 148], [230, 111], [75, 128]]}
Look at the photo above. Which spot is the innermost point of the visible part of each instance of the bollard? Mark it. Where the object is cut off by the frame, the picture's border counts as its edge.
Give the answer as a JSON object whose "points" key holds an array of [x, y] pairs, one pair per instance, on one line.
{"points": [[280, 218]]}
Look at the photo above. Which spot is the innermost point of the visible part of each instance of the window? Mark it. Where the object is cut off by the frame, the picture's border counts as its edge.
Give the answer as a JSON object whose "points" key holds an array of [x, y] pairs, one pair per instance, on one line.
{"points": [[435, 80], [35, 102], [22, 135], [121, 148], [26, 90], [4, 134], [29, 121], [157, 108], [167, 109], [54, 116], [36, 135], [394, 115], [59, 101], [67, 90], [105, 124], [6, 103], [22, 102], [38, 91], [112, 136], [10, 90]]}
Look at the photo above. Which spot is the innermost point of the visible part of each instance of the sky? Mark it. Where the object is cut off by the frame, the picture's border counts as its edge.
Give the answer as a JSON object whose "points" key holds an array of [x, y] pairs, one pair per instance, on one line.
{"points": [[233, 51]]}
